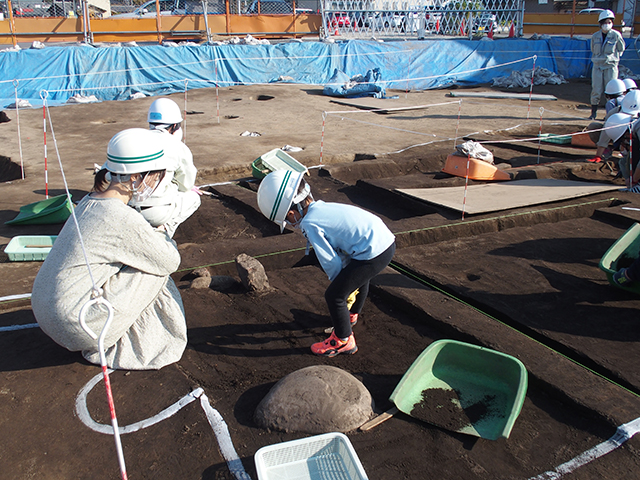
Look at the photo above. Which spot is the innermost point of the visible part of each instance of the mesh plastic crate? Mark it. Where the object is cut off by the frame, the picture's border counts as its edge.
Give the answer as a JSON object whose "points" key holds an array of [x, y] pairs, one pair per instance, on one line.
{"points": [[29, 248], [329, 456]]}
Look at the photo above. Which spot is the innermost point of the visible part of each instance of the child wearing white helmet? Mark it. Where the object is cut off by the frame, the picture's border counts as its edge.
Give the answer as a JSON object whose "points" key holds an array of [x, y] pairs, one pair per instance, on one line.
{"points": [[607, 46], [352, 246], [176, 198], [614, 93], [631, 106], [623, 129], [630, 84], [128, 260]]}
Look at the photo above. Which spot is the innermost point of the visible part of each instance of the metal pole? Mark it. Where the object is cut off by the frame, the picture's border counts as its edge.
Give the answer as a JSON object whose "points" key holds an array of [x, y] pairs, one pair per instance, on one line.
{"points": [[206, 20], [573, 18], [158, 22], [12, 24]]}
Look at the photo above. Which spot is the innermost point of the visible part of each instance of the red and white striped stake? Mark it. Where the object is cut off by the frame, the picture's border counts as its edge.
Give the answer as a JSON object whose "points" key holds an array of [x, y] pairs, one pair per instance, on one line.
{"points": [[217, 97], [533, 71], [100, 301], [466, 183], [15, 88], [324, 117], [540, 132], [184, 137], [114, 422], [44, 122], [455, 140]]}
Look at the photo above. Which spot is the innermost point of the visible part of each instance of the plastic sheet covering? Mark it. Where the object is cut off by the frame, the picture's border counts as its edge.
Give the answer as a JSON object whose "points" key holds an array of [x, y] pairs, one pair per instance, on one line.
{"points": [[340, 85], [475, 150], [522, 79], [118, 73]]}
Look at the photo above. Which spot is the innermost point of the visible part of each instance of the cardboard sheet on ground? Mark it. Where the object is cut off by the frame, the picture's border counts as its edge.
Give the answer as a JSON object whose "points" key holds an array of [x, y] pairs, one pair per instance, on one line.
{"points": [[384, 105], [493, 197]]}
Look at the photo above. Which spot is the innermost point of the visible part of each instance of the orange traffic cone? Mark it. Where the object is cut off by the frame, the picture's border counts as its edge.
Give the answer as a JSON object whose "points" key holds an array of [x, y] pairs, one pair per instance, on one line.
{"points": [[512, 31], [490, 32], [438, 26]]}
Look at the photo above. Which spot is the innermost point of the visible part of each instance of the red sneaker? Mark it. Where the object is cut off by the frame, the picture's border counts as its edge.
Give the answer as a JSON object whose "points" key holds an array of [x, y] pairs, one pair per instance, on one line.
{"points": [[594, 160], [353, 318], [333, 346]]}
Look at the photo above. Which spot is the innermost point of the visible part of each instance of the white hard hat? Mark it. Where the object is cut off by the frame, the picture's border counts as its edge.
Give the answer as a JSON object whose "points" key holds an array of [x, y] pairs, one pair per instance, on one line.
{"points": [[605, 14], [135, 150], [615, 87], [631, 103], [630, 83], [617, 124], [164, 111], [276, 194]]}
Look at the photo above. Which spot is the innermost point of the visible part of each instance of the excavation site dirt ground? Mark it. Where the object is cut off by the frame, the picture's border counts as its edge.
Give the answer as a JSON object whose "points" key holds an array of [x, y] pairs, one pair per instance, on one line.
{"points": [[523, 281]]}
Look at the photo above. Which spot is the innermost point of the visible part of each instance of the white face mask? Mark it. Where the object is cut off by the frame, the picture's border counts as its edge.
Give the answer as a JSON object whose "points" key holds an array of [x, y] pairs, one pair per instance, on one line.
{"points": [[606, 27], [142, 191], [178, 134]]}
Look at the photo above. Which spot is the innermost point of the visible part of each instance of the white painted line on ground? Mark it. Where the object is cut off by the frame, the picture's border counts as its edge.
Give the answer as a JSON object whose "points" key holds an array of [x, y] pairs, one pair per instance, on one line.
{"points": [[15, 297], [216, 421], [623, 433]]}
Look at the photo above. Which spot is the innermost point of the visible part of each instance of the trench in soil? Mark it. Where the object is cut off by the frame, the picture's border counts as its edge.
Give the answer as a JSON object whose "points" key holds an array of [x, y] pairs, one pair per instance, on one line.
{"points": [[431, 224]]}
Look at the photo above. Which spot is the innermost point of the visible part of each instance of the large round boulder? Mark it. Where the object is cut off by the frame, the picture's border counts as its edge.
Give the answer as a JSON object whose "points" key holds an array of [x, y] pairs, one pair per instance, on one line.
{"points": [[317, 399]]}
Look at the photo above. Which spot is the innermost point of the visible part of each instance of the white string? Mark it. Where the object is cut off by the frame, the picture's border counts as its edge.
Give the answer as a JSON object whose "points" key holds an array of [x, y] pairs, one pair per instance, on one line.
{"points": [[96, 289], [238, 83]]}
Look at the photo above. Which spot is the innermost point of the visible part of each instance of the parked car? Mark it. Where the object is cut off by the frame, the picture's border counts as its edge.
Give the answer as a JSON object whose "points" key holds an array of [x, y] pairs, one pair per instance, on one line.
{"points": [[432, 16], [148, 9], [386, 20], [485, 22], [269, 7], [340, 19], [591, 11]]}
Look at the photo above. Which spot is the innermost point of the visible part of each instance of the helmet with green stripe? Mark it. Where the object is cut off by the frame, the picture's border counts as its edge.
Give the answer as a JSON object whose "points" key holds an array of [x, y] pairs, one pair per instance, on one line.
{"points": [[276, 194], [135, 150]]}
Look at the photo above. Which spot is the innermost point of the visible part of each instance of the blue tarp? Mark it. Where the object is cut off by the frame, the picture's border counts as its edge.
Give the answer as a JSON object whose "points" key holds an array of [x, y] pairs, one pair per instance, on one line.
{"points": [[115, 73]]}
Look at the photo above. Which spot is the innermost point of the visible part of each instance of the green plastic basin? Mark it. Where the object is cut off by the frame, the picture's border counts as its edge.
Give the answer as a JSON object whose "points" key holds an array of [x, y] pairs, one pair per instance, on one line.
{"points": [[621, 254], [464, 388], [50, 211]]}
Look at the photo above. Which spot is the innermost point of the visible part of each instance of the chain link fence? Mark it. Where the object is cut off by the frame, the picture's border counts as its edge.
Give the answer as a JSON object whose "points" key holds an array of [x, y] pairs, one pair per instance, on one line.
{"points": [[132, 9], [418, 19]]}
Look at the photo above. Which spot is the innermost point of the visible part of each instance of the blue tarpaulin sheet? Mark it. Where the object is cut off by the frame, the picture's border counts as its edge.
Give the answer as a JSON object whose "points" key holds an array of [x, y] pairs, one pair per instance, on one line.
{"points": [[115, 73]]}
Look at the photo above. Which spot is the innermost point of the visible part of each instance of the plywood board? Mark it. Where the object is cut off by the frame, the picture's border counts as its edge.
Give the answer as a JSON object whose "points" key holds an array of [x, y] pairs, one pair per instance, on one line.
{"points": [[493, 197], [503, 95]]}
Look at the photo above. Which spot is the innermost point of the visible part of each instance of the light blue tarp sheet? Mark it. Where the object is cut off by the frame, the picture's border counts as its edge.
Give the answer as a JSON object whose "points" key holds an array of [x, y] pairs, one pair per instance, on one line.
{"points": [[115, 73]]}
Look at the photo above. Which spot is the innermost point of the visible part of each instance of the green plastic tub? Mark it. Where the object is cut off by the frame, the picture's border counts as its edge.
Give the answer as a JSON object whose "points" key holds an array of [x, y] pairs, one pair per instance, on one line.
{"points": [[620, 255], [45, 212], [557, 139], [276, 159], [464, 388]]}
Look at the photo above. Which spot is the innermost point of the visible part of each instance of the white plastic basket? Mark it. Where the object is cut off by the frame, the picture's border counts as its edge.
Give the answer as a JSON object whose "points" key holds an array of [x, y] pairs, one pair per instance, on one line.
{"points": [[29, 248], [329, 456]]}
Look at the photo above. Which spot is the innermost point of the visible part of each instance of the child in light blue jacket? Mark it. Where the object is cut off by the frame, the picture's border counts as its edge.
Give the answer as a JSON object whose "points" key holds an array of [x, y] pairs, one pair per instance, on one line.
{"points": [[352, 246]]}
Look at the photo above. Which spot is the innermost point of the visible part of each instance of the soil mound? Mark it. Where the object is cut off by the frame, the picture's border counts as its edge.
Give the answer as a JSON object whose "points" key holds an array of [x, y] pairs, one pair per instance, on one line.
{"points": [[317, 399]]}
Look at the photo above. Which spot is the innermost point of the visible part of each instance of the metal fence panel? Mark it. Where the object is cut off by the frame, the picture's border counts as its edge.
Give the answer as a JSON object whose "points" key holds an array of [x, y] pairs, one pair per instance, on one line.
{"points": [[421, 18]]}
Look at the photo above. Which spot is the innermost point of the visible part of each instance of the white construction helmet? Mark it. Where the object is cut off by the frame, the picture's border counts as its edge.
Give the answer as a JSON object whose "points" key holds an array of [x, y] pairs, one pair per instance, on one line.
{"points": [[164, 111], [277, 192], [617, 124], [605, 14], [631, 103], [615, 87], [630, 83], [135, 150]]}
